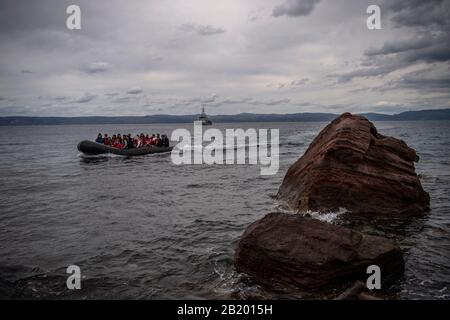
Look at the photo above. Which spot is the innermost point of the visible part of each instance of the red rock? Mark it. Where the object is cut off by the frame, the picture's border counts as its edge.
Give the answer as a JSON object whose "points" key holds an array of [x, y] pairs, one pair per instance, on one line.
{"points": [[350, 165], [289, 251]]}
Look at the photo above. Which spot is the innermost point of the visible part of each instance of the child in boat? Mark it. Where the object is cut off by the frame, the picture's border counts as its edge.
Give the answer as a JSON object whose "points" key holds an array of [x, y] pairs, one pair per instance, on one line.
{"points": [[99, 139]]}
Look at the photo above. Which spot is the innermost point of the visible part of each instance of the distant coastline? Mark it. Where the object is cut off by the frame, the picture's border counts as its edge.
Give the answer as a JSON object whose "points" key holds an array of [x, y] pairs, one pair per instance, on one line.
{"points": [[439, 114]]}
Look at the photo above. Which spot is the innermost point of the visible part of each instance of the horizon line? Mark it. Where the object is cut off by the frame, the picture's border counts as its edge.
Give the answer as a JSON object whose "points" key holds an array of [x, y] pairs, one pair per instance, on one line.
{"points": [[221, 115]]}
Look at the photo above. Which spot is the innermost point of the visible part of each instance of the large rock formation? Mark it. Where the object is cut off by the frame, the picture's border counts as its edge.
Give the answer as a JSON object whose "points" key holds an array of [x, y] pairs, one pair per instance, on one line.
{"points": [[350, 165], [287, 251]]}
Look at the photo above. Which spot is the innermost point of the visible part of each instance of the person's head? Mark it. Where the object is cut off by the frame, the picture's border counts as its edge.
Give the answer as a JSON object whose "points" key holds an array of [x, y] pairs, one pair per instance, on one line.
{"points": [[99, 135], [146, 136], [106, 135], [157, 135], [119, 135], [153, 135], [114, 136]]}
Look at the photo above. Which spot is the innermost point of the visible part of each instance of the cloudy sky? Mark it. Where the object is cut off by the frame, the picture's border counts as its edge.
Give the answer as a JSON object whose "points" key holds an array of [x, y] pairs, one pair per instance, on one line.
{"points": [[263, 56]]}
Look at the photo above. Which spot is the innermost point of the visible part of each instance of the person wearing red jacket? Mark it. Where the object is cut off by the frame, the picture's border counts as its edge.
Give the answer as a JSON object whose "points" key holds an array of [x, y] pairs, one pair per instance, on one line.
{"points": [[106, 140]]}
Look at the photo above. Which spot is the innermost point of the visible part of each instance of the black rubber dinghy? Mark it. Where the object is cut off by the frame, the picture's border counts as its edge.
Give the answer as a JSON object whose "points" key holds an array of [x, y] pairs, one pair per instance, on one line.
{"points": [[93, 148]]}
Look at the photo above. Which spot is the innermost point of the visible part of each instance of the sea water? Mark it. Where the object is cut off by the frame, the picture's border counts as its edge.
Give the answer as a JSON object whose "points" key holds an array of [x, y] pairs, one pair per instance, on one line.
{"points": [[144, 228]]}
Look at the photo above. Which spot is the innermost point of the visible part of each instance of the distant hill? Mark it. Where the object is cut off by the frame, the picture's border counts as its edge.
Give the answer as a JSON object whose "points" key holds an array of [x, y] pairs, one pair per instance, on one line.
{"points": [[441, 114]]}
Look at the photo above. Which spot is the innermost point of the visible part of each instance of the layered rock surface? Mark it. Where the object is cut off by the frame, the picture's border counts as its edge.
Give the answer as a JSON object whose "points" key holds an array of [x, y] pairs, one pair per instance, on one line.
{"points": [[350, 165], [287, 251]]}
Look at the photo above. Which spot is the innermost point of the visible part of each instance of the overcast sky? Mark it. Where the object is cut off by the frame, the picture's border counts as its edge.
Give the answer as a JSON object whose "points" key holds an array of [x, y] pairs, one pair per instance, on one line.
{"points": [[135, 57]]}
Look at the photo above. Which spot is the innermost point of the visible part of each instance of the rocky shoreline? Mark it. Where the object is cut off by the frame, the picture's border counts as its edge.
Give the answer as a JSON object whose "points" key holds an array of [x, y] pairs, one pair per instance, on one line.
{"points": [[348, 165]]}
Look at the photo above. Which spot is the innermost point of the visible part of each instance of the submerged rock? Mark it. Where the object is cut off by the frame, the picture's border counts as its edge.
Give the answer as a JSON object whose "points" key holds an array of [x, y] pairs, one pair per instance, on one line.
{"points": [[286, 251], [350, 165]]}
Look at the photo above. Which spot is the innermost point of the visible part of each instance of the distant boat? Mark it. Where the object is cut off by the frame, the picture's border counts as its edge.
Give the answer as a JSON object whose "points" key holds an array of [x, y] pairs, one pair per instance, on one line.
{"points": [[204, 118]]}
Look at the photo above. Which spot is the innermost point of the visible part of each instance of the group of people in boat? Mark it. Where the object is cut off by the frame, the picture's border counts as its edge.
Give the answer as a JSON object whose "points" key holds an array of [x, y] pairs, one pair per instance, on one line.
{"points": [[126, 141]]}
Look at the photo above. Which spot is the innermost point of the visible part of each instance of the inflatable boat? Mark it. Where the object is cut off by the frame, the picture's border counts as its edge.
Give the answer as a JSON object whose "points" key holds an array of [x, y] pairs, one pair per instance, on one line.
{"points": [[93, 148]]}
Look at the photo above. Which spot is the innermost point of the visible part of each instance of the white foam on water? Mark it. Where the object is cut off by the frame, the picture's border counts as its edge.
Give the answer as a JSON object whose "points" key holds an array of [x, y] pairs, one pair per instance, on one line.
{"points": [[99, 156], [188, 147], [330, 217]]}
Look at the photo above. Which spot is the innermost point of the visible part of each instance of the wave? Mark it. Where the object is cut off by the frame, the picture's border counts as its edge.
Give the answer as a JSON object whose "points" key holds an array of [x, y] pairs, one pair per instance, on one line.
{"points": [[189, 147], [99, 156], [329, 217]]}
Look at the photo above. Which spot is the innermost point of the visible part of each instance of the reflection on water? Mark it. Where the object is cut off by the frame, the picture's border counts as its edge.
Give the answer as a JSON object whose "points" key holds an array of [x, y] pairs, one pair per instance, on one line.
{"points": [[144, 228]]}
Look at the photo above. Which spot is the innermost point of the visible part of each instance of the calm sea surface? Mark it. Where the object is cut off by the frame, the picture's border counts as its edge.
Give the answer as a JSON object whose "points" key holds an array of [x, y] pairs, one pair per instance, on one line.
{"points": [[144, 228]]}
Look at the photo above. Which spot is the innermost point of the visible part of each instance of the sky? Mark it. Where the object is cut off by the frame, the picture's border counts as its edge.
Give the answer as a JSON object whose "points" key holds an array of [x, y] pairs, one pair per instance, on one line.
{"points": [[144, 57]]}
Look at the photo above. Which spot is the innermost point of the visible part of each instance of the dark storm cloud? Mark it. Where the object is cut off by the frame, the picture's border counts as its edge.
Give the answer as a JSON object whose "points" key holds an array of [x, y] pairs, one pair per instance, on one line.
{"points": [[271, 102], [136, 90], [367, 72], [203, 30], [200, 100], [232, 101], [420, 83], [396, 57], [288, 84], [400, 46], [141, 56], [210, 99], [17, 110], [96, 67], [87, 97], [111, 94], [438, 52], [53, 98], [6, 99], [255, 15], [418, 13], [425, 79], [22, 15], [429, 22], [215, 101], [125, 99], [295, 8]]}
